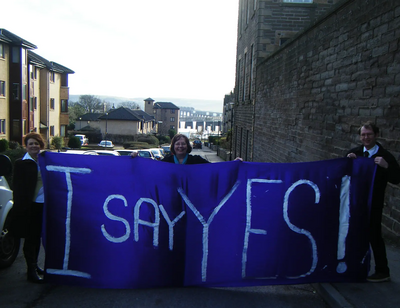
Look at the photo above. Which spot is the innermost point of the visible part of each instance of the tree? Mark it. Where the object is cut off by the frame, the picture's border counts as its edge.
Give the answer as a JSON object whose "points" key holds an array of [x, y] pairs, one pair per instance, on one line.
{"points": [[171, 133], [91, 103], [130, 105], [75, 110]]}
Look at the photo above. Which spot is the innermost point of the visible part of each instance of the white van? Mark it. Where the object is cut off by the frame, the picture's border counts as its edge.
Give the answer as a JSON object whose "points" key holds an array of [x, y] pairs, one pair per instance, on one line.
{"points": [[84, 140]]}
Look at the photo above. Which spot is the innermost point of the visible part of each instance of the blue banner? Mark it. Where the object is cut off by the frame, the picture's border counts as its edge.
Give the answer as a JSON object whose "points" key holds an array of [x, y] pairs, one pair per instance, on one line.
{"points": [[119, 222]]}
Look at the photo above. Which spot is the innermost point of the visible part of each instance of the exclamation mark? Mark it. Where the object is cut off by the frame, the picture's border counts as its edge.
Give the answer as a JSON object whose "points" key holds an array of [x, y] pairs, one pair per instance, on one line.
{"points": [[344, 217]]}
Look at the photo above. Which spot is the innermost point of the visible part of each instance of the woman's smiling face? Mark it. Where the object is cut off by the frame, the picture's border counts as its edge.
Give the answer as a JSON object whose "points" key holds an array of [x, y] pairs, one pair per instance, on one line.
{"points": [[33, 147], [180, 147]]}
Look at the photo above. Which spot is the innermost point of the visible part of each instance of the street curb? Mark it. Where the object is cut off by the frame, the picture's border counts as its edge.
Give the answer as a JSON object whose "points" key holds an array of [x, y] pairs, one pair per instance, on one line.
{"points": [[331, 296]]}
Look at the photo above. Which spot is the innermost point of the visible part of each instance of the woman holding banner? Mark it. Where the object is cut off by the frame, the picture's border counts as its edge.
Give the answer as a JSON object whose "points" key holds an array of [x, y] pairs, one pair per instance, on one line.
{"points": [[180, 149], [27, 211]]}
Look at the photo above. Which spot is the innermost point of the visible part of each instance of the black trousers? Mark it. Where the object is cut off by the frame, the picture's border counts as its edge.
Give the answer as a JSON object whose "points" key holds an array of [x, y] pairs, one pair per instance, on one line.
{"points": [[376, 240], [33, 238]]}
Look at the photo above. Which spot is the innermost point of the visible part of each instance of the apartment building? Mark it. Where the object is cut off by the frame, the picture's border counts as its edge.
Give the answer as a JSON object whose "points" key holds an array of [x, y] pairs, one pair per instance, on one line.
{"points": [[166, 115], [263, 27], [33, 91], [200, 122], [48, 96]]}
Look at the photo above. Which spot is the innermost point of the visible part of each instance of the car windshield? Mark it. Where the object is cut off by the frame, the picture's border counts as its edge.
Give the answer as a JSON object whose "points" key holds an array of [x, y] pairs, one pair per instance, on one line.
{"points": [[125, 153], [144, 154]]}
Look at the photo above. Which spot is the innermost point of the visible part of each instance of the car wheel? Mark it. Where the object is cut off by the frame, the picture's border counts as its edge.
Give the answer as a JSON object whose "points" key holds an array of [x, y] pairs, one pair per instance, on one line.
{"points": [[9, 247]]}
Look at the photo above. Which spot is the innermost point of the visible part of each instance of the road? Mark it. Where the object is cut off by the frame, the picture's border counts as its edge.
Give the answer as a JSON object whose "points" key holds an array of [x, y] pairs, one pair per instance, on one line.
{"points": [[17, 292]]}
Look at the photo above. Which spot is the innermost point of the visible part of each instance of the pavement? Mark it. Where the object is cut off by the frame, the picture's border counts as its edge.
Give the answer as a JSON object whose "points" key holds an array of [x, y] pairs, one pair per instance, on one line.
{"points": [[211, 155], [367, 294], [357, 295]]}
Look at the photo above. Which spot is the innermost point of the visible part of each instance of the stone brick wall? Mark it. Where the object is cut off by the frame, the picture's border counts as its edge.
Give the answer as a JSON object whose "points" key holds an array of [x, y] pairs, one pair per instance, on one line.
{"points": [[261, 31], [313, 94]]}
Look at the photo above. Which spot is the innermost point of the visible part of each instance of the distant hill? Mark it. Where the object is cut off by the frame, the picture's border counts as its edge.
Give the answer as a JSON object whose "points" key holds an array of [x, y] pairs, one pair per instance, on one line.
{"points": [[198, 104]]}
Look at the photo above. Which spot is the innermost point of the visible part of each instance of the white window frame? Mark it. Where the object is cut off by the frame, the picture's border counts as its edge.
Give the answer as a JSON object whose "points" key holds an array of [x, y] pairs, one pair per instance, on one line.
{"points": [[2, 88], [2, 126], [2, 51], [63, 130]]}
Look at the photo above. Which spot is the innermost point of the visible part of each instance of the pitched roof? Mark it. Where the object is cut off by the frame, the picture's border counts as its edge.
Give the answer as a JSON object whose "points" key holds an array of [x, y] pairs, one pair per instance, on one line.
{"points": [[37, 60], [50, 65], [91, 116], [13, 39], [165, 105], [126, 114], [141, 114], [62, 68]]}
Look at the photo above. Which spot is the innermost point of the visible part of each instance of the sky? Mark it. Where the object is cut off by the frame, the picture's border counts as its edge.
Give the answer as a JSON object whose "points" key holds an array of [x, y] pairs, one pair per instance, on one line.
{"points": [[134, 48]]}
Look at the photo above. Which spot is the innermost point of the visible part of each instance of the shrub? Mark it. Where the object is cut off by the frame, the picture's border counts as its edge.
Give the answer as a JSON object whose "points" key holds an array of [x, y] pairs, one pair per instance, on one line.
{"points": [[224, 143], [164, 139], [3, 145], [149, 139], [57, 142], [137, 145], [74, 142], [14, 145], [214, 139]]}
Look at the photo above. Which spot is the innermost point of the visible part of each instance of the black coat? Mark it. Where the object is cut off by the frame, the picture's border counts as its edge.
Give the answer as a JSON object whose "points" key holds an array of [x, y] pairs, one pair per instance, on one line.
{"points": [[382, 176], [24, 184], [191, 160]]}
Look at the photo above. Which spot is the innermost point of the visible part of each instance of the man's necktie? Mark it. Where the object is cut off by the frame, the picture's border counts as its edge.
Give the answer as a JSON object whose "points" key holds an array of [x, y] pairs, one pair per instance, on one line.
{"points": [[366, 154]]}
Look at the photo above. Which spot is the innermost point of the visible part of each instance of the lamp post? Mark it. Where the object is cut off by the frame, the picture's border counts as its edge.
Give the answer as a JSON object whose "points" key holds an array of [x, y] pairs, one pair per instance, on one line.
{"points": [[80, 123], [106, 128]]}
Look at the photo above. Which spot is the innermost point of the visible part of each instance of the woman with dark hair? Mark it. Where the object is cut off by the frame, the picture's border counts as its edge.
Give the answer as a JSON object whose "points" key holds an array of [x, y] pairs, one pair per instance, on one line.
{"points": [[180, 152], [180, 149], [28, 204]]}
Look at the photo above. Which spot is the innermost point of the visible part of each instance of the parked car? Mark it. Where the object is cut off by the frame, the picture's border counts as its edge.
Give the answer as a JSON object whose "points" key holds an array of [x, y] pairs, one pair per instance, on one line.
{"points": [[146, 154], [9, 245], [106, 152], [106, 144], [167, 149], [157, 153], [84, 140], [125, 152], [80, 152], [197, 144]]}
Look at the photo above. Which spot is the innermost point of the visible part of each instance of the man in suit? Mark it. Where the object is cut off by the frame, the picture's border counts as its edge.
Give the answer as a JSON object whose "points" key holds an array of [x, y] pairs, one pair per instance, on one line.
{"points": [[388, 170]]}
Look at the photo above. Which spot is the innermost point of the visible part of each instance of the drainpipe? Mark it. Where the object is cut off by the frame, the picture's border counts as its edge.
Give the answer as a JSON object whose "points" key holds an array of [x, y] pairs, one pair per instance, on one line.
{"points": [[48, 110]]}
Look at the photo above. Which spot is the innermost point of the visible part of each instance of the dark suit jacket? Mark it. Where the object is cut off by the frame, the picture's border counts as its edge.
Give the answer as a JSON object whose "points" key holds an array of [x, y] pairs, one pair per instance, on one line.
{"points": [[24, 184], [382, 175], [192, 159]]}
